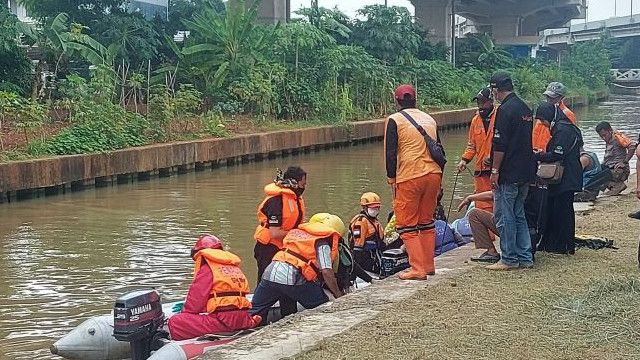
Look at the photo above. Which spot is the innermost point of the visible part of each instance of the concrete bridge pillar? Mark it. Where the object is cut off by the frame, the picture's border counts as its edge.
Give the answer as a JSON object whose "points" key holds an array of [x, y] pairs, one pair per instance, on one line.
{"points": [[274, 11], [504, 27], [435, 15]]}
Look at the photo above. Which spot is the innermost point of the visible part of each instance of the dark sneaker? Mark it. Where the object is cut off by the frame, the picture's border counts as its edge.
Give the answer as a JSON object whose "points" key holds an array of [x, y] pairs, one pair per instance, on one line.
{"points": [[486, 258], [526, 265], [635, 215]]}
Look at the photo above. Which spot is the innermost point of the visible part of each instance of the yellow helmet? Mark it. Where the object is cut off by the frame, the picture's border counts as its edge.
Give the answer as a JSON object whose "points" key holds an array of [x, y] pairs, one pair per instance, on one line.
{"points": [[331, 221], [369, 198]]}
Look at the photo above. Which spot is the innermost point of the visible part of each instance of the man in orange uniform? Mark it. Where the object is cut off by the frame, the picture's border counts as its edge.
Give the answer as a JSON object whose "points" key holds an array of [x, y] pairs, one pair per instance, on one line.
{"points": [[305, 264], [554, 94], [216, 301], [366, 235], [280, 211], [479, 145], [415, 180]]}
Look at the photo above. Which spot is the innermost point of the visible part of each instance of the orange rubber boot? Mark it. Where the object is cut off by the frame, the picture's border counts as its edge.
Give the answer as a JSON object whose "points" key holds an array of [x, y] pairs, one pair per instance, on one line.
{"points": [[416, 258], [428, 246]]}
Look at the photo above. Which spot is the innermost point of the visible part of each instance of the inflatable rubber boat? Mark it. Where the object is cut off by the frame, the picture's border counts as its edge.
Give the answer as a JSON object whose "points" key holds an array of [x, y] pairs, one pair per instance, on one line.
{"points": [[98, 339]]}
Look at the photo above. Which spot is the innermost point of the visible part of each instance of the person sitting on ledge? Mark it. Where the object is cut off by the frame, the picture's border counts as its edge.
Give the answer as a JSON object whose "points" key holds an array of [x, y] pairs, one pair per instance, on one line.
{"points": [[620, 149]]}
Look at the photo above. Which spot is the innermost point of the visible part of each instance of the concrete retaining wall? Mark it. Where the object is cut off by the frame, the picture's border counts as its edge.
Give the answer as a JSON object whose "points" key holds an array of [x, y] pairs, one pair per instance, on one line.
{"points": [[50, 176]]}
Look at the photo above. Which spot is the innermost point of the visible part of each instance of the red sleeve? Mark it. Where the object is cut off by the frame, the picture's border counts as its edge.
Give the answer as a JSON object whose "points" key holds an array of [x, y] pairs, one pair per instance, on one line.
{"points": [[199, 291]]}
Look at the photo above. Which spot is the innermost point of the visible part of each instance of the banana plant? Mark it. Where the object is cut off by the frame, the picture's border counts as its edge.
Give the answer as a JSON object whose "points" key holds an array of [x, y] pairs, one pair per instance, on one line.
{"points": [[226, 43]]}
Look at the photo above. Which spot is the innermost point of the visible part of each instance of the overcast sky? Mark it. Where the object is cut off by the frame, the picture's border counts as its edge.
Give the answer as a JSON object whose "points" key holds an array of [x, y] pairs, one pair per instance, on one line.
{"points": [[598, 9]]}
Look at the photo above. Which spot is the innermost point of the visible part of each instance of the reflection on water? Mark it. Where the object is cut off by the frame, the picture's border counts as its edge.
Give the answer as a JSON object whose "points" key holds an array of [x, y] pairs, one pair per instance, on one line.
{"points": [[68, 257]]}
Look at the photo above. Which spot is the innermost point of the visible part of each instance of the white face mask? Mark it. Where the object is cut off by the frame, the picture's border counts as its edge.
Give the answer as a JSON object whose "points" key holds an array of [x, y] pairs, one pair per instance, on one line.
{"points": [[373, 212]]}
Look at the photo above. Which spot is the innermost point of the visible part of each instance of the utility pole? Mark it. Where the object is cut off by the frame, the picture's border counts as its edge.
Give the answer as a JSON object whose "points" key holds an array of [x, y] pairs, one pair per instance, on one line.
{"points": [[615, 8], [453, 33]]}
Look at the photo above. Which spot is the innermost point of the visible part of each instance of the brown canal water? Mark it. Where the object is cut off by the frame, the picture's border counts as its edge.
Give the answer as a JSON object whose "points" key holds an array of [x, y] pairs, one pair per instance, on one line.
{"points": [[67, 258]]}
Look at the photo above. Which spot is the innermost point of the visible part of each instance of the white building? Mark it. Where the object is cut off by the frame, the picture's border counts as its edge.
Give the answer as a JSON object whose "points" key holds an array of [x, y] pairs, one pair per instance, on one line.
{"points": [[18, 9]]}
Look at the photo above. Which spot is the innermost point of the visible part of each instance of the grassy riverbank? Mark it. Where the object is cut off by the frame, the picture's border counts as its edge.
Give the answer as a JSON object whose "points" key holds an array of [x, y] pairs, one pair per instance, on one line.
{"points": [[579, 307]]}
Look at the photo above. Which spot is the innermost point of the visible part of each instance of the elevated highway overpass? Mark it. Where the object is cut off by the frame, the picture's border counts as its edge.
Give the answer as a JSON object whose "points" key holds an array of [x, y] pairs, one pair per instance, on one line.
{"points": [[511, 22], [619, 27]]}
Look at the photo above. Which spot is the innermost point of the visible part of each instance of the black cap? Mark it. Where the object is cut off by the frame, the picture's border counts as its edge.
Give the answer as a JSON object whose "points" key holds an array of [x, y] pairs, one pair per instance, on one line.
{"points": [[484, 95], [500, 79], [547, 111]]}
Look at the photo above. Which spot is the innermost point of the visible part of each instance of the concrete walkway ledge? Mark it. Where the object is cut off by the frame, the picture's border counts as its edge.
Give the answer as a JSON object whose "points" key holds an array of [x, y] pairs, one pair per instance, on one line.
{"points": [[302, 331]]}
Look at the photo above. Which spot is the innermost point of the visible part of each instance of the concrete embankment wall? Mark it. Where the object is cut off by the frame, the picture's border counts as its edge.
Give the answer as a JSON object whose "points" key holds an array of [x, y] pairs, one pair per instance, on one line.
{"points": [[50, 176]]}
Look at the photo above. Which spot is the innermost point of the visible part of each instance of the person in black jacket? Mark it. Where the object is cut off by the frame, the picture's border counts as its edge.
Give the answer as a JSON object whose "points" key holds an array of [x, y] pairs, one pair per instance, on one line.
{"points": [[564, 146]]}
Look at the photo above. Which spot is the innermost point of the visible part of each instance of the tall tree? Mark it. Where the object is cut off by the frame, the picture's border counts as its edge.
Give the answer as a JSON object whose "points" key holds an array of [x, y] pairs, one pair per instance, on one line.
{"points": [[386, 32], [15, 67], [86, 12]]}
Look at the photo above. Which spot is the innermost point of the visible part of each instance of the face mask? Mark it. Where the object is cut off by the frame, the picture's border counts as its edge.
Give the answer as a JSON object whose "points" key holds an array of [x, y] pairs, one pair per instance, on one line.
{"points": [[299, 191], [485, 112], [373, 212]]}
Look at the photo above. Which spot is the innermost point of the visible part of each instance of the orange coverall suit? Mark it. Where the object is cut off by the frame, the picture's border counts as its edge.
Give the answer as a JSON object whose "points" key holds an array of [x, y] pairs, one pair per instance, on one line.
{"points": [[417, 179], [479, 147]]}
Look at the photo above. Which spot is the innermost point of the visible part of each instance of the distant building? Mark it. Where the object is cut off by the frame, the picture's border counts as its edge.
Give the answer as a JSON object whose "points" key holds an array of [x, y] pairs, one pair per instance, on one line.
{"points": [[150, 8], [18, 10]]}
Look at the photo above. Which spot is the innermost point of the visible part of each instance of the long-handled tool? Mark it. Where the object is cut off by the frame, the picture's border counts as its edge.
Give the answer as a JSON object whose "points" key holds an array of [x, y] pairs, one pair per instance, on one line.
{"points": [[453, 193]]}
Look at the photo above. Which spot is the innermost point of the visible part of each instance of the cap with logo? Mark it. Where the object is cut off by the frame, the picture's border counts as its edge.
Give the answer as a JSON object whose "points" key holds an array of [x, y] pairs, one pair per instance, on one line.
{"points": [[484, 95], [405, 92], [556, 89]]}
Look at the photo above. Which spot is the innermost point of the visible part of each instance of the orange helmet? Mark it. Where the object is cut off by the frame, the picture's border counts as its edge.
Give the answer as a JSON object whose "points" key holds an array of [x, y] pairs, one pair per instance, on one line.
{"points": [[370, 198], [206, 241]]}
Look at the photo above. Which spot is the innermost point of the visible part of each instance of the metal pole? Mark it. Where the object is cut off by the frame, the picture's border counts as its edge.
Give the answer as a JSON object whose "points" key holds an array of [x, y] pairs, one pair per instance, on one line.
{"points": [[453, 33], [615, 8]]}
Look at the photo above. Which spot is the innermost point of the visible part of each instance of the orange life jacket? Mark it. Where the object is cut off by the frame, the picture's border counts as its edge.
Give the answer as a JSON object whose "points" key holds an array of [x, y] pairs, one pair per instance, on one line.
{"points": [[479, 144], [542, 134], [300, 248], [364, 230], [414, 159], [230, 286], [292, 213]]}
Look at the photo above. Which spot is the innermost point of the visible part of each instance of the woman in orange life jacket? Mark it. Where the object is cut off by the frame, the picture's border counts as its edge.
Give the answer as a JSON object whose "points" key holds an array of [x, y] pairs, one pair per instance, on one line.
{"points": [[366, 235], [303, 266], [216, 301], [280, 211]]}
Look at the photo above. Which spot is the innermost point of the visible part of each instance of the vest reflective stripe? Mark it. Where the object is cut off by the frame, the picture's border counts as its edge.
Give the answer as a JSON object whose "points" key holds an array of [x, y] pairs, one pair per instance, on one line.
{"points": [[362, 229], [229, 283], [292, 213], [300, 248]]}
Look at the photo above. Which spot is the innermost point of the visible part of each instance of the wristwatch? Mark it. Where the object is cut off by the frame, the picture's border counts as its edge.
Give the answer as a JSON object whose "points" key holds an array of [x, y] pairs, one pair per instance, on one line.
{"points": [[495, 171]]}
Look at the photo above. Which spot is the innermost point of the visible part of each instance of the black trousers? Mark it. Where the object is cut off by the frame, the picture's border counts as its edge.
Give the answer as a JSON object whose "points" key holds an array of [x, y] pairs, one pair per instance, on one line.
{"points": [[535, 211], [264, 255], [560, 225]]}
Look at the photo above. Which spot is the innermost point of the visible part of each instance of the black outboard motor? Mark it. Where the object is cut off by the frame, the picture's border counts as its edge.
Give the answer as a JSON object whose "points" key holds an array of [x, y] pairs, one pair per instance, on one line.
{"points": [[137, 316]]}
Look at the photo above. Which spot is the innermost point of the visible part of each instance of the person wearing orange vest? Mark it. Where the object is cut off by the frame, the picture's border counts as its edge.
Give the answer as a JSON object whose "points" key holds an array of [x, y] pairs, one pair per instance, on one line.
{"points": [[280, 211], [619, 150], [366, 235], [415, 179], [216, 301], [554, 94], [303, 266], [479, 145]]}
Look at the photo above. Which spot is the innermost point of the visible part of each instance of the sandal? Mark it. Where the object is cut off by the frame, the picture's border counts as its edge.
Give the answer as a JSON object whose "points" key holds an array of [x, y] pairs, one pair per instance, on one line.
{"points": [[486, 258]]}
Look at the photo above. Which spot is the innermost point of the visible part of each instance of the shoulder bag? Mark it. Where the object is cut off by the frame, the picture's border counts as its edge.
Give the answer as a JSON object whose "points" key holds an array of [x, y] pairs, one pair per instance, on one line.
{"points": [[435, 147], [551, 173]]}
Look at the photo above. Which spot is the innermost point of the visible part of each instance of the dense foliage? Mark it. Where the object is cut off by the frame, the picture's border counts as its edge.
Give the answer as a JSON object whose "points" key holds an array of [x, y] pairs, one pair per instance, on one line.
{"points": [[324, 66]]}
